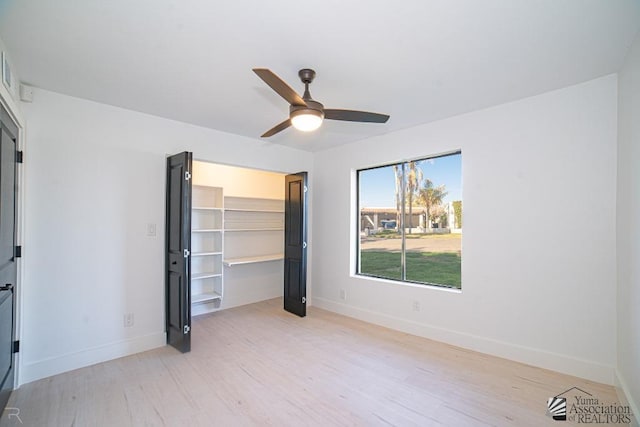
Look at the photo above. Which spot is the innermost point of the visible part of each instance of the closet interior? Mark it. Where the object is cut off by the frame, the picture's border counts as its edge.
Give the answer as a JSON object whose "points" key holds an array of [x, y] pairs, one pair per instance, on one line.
{"points": [[237, 236]]}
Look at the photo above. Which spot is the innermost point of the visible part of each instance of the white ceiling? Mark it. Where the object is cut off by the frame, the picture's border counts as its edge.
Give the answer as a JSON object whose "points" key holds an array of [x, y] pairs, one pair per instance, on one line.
{"points": [[417, 60]]}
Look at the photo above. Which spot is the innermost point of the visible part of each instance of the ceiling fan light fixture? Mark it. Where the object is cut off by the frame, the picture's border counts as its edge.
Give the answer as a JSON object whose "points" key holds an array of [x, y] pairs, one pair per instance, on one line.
{"points": [[306, 119]]}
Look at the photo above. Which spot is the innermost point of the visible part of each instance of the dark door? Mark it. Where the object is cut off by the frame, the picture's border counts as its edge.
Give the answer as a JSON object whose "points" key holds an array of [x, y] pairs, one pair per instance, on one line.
{"points": [[8, 270], [178, 258], [295, 244]]}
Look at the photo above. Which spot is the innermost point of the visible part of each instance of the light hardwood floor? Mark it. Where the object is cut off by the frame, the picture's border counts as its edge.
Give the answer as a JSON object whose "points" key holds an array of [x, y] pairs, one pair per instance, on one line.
{"points": [[258, 365]]}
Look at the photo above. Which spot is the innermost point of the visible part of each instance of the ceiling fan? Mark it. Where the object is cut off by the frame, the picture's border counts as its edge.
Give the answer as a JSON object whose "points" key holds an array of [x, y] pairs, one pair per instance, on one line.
{"points": [[305, 114]]}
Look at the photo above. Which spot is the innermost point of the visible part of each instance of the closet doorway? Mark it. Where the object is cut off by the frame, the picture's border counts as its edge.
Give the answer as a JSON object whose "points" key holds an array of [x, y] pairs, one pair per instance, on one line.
{"points": [[235, 236]]}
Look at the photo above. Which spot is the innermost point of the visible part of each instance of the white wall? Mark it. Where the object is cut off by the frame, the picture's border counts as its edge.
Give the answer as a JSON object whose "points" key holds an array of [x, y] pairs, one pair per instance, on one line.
{"points": [[95, 177], [628, 227], [240, 182], [538, 287]]}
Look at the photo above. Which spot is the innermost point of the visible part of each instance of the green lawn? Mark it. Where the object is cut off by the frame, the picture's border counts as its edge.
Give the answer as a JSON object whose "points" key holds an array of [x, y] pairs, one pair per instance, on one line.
{"points": [[442, 268]]}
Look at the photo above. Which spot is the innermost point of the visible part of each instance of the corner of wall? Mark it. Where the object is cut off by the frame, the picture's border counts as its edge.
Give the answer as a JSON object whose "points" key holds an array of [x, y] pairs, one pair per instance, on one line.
{"points": [[624, 396], [628, 232]]}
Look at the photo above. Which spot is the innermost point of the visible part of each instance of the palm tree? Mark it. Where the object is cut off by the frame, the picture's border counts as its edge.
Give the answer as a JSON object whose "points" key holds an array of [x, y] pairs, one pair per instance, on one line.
{"points": [[414, 176], [397, 170], [431, 196]]}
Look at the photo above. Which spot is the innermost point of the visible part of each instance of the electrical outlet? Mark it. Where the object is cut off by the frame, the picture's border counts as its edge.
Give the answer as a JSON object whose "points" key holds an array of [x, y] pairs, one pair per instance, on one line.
{"points": [[128, 320], [343, 295], [416, 306]]}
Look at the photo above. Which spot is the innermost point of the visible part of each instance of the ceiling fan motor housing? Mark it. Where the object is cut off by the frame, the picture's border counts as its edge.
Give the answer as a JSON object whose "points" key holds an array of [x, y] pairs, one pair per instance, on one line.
{"points": [[312, 107]]}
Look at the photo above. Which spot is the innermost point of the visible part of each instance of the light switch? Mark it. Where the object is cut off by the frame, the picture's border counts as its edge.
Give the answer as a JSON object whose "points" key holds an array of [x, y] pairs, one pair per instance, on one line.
{"points": [[151, 230]]}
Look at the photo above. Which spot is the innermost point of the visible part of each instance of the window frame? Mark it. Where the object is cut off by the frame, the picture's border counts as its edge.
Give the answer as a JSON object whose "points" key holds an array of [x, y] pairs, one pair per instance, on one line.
{"points": [[403, 265]]}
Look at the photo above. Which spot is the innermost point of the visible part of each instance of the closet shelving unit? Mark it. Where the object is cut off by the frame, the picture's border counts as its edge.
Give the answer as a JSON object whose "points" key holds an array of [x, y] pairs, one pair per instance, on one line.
{"points": [[231, 232], [207, 244]]}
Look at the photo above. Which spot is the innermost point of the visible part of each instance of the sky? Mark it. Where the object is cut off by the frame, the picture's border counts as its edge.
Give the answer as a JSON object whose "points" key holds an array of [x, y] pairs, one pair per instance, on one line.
{"points": [[378, 188]]}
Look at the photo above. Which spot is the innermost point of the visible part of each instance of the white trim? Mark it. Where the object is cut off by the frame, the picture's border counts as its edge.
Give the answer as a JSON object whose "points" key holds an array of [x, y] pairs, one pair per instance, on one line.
{"points": [[7, 75], [6, 100], [405, 283], [56, 365], [543, 359], [624, 395]]}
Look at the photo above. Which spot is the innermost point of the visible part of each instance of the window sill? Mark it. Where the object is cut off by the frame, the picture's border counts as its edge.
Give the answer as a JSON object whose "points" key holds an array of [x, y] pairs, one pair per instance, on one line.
{"points": [[413, 285]]}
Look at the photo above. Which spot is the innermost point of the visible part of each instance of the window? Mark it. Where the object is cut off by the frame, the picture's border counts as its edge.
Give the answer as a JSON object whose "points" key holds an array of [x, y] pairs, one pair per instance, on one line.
{"points": [[410, 221]]}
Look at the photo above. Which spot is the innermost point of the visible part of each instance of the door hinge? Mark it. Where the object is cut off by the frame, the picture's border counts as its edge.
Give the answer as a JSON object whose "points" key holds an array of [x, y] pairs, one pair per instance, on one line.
{"points": [[16, 346], [19, 157], [304, 300], [187, 328], [186, 253], [18, 251], [305, 188], [304, 245], [187, 175]]}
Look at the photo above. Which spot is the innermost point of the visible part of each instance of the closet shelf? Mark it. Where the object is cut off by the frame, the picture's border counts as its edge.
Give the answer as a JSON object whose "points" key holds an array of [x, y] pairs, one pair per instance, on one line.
{"points": [[205, 297], [205, 208], [254, 229], [252, 259], [254, 210], [205, 253], [198, 276], [206, 230]]}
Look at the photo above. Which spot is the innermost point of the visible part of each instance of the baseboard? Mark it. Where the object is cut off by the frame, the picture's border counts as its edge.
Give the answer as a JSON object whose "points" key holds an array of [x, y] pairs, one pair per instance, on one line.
{"points": [[624, 396], [530, 356], [68, 362]]}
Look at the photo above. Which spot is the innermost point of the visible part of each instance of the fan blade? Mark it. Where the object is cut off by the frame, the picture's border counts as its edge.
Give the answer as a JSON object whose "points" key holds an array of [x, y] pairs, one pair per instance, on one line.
{"points": [[281, 88], [277, 128], [355, 116]]}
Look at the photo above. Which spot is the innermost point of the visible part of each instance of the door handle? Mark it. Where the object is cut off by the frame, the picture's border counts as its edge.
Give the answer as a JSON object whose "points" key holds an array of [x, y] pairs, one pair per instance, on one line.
{"points": [[7, 287]]}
